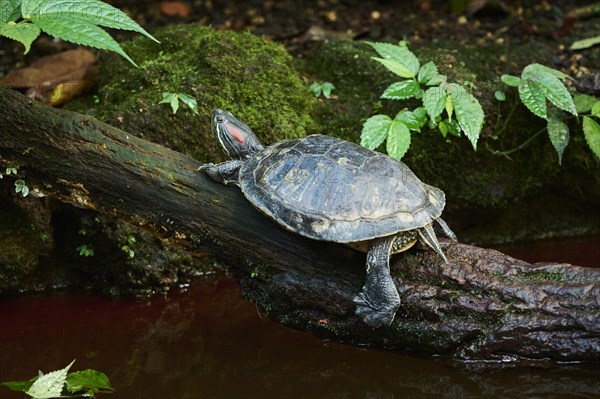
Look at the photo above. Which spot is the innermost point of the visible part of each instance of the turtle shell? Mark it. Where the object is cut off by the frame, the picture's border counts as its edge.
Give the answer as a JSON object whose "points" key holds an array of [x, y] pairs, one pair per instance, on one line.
{"points": [[333, 190]]}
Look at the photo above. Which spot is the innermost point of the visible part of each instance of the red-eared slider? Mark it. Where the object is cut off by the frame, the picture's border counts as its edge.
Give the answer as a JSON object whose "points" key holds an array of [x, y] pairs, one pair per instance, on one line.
{"points": [[329, 189]]}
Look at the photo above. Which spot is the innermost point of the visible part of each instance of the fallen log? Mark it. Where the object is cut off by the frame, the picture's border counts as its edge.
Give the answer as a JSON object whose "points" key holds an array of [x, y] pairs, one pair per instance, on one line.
{"points": [[481, 305]]}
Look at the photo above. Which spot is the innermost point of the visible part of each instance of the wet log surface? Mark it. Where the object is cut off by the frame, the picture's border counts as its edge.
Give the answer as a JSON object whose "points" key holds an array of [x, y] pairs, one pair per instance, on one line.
{"points": [[482, 305]]}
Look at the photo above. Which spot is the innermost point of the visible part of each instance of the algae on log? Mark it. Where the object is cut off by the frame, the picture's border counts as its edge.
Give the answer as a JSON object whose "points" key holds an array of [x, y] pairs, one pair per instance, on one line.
{"points": [[482, 305]]}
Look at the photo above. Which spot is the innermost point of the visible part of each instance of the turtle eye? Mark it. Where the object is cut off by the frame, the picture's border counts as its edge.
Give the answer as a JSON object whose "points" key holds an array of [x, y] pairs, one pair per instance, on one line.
{"points": [[219, 119]]}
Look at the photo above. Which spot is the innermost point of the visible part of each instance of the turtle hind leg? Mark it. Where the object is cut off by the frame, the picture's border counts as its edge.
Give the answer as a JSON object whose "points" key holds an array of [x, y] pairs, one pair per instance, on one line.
{"points": [[429, 238], [445, 229], [378, 301]]}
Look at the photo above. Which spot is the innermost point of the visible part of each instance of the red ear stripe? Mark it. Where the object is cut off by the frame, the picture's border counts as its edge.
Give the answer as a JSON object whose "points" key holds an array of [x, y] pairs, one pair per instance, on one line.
{"points": [[235, 133]]}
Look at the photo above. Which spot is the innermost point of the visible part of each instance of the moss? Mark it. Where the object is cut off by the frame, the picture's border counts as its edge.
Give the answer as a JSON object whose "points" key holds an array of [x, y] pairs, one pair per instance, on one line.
{"points": [[358, 82], [238, 72], [260, 270], [21, 246]]}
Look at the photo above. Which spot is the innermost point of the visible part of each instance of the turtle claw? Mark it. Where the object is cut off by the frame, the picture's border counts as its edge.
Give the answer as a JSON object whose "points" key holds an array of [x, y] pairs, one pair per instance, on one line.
{"points": [[204, 166], [376, 314]]}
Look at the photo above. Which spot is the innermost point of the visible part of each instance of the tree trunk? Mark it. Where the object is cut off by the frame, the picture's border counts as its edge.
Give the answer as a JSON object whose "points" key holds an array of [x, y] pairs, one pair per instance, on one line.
{"points": [[481, 305]]}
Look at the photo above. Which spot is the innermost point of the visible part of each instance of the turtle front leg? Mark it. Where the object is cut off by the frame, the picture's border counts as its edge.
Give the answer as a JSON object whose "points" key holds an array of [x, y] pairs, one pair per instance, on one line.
{"points": [[225, 172], [379, 299]]}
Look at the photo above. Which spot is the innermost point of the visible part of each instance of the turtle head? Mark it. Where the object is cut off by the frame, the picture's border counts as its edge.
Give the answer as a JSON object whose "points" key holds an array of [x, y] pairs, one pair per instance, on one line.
{"points": [[236, 139]]}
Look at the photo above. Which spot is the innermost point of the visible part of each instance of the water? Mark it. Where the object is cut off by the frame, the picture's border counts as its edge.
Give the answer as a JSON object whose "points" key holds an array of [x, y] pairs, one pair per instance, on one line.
{"points": [[582, 251], [206, 342]]}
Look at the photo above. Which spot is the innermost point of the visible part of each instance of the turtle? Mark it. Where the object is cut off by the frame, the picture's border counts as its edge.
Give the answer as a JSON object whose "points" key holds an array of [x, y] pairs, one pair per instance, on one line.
{"points": [[329, 189]]}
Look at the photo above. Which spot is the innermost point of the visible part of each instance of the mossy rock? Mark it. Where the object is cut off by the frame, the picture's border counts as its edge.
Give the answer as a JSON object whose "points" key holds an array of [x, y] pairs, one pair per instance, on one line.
{"points": [[239, 72]]}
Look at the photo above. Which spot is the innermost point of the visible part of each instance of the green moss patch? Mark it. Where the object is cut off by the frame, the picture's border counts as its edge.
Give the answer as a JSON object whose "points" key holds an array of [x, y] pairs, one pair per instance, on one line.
{"points": [[238, 72]]}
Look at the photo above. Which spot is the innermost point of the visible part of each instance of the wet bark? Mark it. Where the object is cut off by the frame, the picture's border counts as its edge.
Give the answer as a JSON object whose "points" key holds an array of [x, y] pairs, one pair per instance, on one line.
{"points": [[482, 305]]}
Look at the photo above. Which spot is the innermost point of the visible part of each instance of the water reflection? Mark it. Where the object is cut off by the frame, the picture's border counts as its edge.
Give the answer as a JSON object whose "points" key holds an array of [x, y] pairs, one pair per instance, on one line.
{"points": [[206, 342]]}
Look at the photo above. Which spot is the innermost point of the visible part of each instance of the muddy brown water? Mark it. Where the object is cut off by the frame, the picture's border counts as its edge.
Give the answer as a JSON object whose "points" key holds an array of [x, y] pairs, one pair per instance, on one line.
{"points": [[204, 341]]}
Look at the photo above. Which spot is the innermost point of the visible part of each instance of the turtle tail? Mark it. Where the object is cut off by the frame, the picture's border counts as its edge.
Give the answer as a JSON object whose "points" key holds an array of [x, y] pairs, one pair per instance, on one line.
{"points": [[428, 236]]}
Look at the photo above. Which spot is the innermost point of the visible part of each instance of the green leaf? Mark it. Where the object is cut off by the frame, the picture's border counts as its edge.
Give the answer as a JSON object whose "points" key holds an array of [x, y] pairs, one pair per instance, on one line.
{"points": [[584, 102], [511, 80], [437, 80], [585, 43], [19, 386], [25, 33], [79, 32], [49, 385], [395, 67], [10, 10], [410, 120], [400, 54], [558, 131], [469, 113], [550, 81], [315, 88], [402, 90], [532, 95], [434, 100], [375, 131], [88, 382], [443, 129], [192, 103], [21, 187], [591, 131], [532, 70], [500, 95], [174, 103], [453, 127], [327, 88], [398, 140], [421, 114], [449, 106], [93, 11], [427, 72], [167, 97], [595, 111]]}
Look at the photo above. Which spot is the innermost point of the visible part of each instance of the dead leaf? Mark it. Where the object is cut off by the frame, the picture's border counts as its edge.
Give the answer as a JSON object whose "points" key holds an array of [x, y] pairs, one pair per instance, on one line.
{"points": [[174, 8], [57, 78]]}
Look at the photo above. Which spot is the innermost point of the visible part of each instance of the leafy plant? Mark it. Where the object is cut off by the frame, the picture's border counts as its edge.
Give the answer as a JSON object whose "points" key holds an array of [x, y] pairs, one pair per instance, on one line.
{"points": [[538, 86], [423, 82], [21, 187], [61, 383], [9, 171], [322, 88], [127, 248], [85, 250], [173, 99], [74, 21]]}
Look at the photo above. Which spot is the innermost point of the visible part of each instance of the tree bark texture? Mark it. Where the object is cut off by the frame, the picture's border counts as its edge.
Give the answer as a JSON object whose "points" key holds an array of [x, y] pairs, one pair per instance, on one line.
{"points": [[481, 305]]}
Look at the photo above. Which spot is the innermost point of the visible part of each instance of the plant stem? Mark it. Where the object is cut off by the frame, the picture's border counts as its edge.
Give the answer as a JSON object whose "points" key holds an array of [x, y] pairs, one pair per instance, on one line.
{"points": [[507, 119], [520, 147]]}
